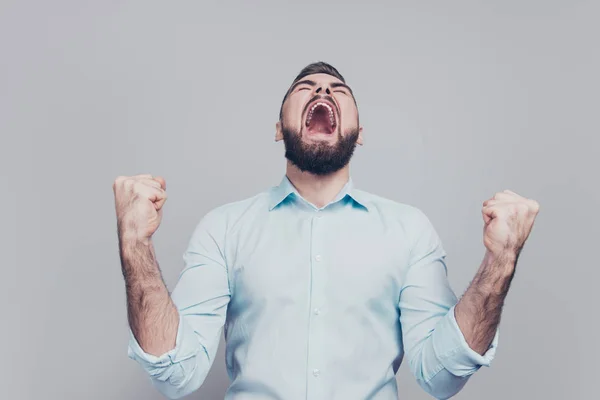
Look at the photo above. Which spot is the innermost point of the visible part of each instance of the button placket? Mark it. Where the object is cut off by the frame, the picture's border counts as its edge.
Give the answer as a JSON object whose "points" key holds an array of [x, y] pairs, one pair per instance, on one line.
{"points": [[318, 277]]}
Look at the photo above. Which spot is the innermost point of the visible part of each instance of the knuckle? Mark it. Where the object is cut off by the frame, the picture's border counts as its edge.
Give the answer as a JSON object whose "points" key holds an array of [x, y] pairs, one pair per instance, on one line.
{"points": [[535, 206], [118, 180]]}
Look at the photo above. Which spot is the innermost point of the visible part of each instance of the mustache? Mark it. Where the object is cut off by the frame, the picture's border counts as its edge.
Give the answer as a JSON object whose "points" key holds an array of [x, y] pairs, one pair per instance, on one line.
{"points": [[322, 97]]}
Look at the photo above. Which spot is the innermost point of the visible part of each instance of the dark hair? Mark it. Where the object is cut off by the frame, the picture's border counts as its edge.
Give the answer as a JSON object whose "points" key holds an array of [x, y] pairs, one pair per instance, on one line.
{"points": [[319, 67]]}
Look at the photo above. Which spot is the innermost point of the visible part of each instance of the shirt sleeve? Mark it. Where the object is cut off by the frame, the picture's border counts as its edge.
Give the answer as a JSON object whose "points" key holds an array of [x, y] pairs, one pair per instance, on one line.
{"points": [[201, 296], [438, 354]]}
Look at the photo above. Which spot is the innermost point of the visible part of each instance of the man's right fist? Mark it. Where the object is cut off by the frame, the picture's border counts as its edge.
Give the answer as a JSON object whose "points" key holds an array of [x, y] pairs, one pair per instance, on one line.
{"points": [[138, 201]]}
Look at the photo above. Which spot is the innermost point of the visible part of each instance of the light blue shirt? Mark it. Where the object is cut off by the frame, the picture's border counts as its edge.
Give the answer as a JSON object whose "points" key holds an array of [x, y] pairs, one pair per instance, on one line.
{"points": [[316, 303]]}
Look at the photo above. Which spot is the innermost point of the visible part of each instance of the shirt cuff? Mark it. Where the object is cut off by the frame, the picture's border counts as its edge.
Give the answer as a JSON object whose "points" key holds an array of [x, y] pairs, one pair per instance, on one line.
{"points": [[186, 347], [453, 350]]}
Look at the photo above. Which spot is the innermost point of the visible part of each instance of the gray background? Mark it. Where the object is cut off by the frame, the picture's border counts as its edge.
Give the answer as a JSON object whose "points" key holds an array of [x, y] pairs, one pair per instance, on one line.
{"points": [[459, 100]]}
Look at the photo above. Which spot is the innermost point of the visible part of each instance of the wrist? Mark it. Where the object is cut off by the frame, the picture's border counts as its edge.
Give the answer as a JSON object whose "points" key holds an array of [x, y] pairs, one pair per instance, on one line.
{"points": [[504, 261], [132, 248], [507, 255], [130, 239]]}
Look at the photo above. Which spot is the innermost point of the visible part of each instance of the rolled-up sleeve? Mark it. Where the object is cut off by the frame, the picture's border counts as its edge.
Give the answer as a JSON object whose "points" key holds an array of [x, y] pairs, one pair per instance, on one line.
{"points": [[438, 354], [201, 296], [453, 351]]}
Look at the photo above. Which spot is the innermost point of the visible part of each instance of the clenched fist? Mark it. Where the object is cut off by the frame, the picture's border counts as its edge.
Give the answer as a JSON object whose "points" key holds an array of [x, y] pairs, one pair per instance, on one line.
{"points": [[138, 201], [508, 221]]}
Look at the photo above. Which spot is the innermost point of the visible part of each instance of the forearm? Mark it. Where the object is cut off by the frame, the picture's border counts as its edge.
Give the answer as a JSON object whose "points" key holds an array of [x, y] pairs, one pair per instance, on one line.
{"points": [[152, 316], [478, 311]]}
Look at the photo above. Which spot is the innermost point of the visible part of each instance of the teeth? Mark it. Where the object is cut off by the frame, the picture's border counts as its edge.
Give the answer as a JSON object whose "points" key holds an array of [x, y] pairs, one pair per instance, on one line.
{"points": [[312, 109]]}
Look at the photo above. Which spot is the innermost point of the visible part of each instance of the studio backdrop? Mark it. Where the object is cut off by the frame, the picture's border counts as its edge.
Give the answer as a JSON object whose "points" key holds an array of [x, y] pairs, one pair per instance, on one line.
{"points": [[459, 100]]}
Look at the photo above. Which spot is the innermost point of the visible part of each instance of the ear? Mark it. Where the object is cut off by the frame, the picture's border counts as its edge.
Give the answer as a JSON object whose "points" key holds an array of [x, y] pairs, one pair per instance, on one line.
{"points": [[278, 132], [360, 136]]}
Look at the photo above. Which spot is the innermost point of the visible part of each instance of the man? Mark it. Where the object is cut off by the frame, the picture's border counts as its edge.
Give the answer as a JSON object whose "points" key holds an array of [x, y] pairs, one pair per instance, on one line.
{"points": [[321, 288]]}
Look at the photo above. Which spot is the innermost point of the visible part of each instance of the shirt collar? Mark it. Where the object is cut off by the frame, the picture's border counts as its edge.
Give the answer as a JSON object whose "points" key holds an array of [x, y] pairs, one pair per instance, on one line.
{"points": [[285, 189]]}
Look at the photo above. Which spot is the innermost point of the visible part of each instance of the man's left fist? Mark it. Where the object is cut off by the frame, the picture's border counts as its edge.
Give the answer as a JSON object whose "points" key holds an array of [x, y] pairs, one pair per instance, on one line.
{"points": [[508, 220]]}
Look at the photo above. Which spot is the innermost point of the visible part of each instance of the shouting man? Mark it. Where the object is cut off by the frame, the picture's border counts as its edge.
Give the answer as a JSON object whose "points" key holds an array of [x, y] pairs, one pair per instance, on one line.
{"points": [[321, 288]]}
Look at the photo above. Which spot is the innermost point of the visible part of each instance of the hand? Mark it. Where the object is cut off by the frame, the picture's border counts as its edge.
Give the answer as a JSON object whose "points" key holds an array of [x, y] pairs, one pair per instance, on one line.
{"points": [[138, 201], [508, 221]]}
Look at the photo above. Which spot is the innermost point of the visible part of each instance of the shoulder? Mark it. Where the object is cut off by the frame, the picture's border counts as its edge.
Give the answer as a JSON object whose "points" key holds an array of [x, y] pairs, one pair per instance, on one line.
{"points": [[224, 216], [389, 209], [417, 227]]}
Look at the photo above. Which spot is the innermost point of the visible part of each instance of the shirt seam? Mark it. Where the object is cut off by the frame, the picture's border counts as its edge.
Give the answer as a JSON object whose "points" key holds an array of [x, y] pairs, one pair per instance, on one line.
{"points": [[440, 367]]}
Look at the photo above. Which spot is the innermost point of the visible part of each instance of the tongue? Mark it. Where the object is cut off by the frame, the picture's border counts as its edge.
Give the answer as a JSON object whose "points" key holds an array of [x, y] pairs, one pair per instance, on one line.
{"points": [[320, 122]]}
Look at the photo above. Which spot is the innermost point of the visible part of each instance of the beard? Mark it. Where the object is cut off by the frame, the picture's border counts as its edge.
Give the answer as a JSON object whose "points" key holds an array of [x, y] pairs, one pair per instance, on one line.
{"points": [[319, 158]]}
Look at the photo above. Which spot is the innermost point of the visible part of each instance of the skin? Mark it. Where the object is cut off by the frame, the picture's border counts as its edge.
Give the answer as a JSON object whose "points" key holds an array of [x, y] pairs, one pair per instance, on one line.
{"points": [[319, 190], [152, 315], [508, 219]]}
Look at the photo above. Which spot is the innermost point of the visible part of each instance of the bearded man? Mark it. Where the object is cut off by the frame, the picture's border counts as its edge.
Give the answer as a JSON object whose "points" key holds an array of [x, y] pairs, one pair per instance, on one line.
{"points": [[321, 288]]}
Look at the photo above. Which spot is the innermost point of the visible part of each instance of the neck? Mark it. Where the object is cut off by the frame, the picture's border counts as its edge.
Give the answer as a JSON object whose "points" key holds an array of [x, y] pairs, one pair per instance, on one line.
{"points": [[319, 190]]}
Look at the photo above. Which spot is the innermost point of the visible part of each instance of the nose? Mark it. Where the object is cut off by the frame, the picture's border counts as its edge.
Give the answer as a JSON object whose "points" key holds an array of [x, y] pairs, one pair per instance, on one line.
{"points": [[320, 88]]}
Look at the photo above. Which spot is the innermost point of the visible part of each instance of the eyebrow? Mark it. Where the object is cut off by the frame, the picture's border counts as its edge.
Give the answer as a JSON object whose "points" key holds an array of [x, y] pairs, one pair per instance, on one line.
{"points": [[313, 83], [340, 84], [303, 82]]}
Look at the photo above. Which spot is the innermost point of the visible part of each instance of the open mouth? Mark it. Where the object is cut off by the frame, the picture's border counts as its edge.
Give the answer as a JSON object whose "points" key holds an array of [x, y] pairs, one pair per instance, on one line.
{"points": [[321, 118]]}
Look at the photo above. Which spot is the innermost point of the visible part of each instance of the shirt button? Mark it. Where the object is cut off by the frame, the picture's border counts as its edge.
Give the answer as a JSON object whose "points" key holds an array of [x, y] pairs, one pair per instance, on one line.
{"points": [[318, 257], [317, 311], [316, 372]]}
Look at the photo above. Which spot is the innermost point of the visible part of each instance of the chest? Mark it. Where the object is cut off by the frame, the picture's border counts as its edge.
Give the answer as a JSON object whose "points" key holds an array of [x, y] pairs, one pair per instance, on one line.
{"points": [[347, 259]]}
